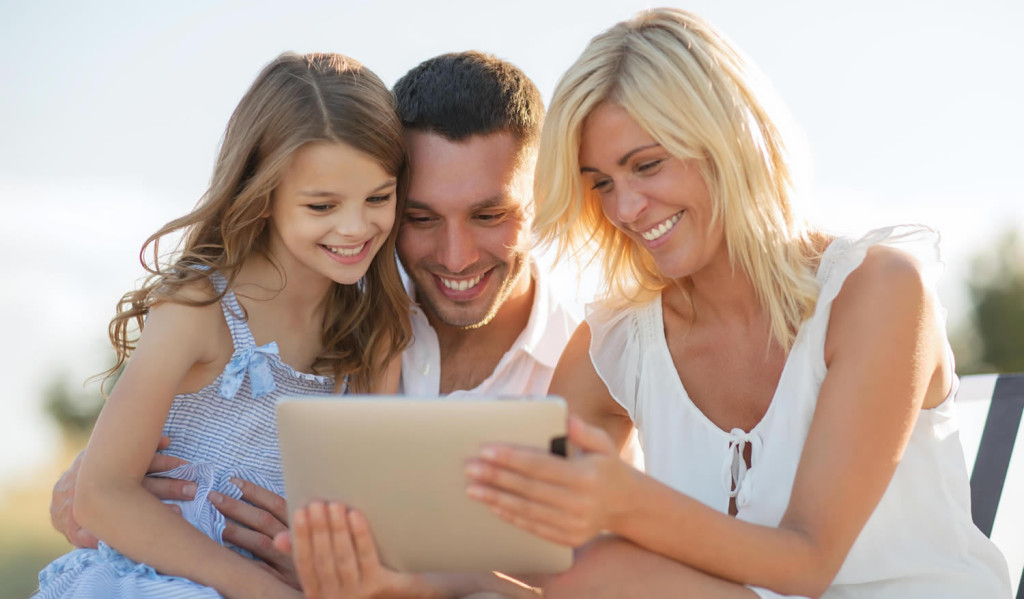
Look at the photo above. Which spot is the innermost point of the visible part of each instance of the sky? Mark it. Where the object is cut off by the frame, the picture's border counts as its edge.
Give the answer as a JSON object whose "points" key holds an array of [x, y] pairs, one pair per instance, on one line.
{"points": [[111, 114]]}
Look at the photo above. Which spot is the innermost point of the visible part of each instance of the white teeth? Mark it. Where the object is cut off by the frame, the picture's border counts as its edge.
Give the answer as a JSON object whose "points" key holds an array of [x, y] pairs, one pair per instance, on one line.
{"points": [[659, 230], [345, 251], [463, 284]]}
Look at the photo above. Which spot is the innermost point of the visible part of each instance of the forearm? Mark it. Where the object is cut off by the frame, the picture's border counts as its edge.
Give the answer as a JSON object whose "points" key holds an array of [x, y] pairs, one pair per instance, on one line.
{"points": [[131, 520], [670, 523]]}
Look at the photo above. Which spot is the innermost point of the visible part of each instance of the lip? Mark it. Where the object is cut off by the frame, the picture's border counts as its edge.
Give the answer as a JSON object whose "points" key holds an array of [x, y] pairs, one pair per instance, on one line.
{"points": [[464, 295], [664, 238], [348, 260]]}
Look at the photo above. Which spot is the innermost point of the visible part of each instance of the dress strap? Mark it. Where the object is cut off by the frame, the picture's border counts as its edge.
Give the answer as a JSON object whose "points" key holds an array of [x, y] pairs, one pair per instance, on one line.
{"points": [[233, 314], [247, 357]]}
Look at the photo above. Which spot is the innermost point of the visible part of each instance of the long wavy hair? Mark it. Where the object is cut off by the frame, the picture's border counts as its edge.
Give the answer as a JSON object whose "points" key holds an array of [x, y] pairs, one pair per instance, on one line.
{"points": [[694, 93], [295, 100]]}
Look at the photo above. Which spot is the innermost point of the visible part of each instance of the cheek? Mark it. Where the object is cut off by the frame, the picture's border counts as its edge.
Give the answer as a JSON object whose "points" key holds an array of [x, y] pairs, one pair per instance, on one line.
{"points": [[410, 243]]}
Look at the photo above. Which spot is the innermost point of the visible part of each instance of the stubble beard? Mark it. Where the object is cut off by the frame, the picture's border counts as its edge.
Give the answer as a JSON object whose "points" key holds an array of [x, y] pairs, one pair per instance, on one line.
{"points": [[454, 318]]}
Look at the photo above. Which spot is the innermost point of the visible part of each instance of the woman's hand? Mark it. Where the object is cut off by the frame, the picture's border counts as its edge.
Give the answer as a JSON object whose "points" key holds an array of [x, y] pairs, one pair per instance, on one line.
{"points": [[336, 557], [567, 501]]}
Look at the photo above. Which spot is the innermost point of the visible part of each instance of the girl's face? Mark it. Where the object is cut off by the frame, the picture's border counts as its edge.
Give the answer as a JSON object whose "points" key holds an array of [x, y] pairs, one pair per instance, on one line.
{"points": [[331, 211], [659, 201]]}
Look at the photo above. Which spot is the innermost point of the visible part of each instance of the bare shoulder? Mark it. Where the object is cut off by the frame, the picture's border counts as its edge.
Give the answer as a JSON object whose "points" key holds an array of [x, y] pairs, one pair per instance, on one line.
{"points": [[887, 276], [885, 305], [194, 318]]}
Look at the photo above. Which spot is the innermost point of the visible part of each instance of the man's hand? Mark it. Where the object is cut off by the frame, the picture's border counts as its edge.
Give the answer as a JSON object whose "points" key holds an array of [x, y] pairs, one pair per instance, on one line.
{"points": [[254, 522], [63, 518]]}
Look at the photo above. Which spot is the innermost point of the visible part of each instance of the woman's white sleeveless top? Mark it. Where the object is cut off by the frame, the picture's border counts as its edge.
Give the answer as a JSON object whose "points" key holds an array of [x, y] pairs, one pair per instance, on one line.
{"points": [[920, 542]]}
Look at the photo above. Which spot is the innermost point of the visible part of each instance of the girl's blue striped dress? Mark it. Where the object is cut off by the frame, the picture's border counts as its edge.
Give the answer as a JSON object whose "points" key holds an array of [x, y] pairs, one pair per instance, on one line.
{"points": [[225, 430]]}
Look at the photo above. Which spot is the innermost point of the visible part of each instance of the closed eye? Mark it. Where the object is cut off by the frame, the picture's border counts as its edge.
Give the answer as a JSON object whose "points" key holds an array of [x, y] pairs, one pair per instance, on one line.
{"points": [[319, 207], [379, 199], [602, 185], [492, 217], [649, 166]]}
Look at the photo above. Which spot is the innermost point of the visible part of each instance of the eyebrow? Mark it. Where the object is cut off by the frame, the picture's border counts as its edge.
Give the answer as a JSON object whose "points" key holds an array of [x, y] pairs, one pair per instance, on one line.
{"points": [[625, 157], [323, 193], [494, 201]]}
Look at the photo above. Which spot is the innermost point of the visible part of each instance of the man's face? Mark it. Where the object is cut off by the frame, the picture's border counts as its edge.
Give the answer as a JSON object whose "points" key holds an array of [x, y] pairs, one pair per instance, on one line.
{"points": [[464, 236]]}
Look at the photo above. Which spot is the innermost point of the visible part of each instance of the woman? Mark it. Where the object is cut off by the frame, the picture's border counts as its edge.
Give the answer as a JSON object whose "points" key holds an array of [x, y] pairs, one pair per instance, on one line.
{"points": [[792, 391]]}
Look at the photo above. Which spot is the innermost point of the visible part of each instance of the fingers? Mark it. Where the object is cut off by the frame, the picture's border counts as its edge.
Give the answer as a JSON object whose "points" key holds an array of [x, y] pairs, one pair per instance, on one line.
{"points": [[82, 538], [302, 545], [170, 488], [327, 566], [344, 552], [163, 463], [589, 438], [515, 482], [251, 516], [536, 463], [264, 499], [365, 545], [283, 542]]}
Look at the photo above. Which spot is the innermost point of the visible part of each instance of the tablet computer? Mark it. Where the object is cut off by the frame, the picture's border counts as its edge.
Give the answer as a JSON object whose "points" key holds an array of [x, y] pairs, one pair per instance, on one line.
{"points": [[401, 462]]}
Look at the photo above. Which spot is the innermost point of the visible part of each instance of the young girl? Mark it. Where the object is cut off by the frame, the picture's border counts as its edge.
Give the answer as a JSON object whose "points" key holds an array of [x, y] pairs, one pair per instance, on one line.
{"points": [[271, 295]]}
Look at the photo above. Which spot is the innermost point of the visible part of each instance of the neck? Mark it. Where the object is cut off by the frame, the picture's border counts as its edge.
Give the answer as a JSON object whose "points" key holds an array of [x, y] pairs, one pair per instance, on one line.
{"points": [[299, 292], [719, 293]]}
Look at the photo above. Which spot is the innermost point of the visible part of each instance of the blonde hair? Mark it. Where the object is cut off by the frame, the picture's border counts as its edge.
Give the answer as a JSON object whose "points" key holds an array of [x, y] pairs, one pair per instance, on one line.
{"points": [[687, 87], [295, 100]]}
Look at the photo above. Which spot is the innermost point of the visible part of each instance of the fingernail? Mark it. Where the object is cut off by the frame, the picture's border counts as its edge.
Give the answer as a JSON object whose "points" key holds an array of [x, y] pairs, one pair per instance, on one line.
{"points": [[474, 470], [189, 489], [489, 452], [175, 509], [236, 481], [215, 497], [475, 491]]}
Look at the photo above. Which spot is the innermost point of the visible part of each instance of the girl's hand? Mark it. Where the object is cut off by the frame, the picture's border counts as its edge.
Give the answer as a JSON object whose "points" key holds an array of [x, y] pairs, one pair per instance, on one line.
{"points": [[336, 557], [567, 501]]}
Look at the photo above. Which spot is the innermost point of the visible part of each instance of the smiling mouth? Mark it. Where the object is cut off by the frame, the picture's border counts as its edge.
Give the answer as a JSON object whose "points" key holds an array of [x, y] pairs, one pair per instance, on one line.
{"points": [[461, 284], [344, 251], [659, 230]]}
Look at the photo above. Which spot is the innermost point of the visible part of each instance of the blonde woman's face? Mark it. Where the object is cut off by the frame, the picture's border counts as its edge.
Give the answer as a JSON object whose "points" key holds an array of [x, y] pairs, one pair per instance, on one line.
{"points": [[331, 212], [659, 201]]}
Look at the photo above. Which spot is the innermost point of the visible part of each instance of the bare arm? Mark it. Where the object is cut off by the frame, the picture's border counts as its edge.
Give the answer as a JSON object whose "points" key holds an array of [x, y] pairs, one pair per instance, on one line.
{"points": [[111, 500], [885, 358], [62, 516], [577, 381]]}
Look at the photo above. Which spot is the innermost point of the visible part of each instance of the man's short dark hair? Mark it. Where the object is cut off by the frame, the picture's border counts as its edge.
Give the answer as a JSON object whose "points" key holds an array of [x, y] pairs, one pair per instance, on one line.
{"points": [[469, 93]]}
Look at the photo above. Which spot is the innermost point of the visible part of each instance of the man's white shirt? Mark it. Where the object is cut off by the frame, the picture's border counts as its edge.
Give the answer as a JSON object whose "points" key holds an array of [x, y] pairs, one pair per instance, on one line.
{"points": [[525, 369]]}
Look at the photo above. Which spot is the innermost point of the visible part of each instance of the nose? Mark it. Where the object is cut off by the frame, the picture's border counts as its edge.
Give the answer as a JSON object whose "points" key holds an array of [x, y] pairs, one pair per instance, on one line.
{"points": [[352, 223], [629, 204], [458, 248]]}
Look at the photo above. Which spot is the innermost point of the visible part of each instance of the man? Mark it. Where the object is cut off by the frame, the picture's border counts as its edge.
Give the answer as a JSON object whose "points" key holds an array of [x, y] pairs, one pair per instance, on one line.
{"points": [[485, 321]]}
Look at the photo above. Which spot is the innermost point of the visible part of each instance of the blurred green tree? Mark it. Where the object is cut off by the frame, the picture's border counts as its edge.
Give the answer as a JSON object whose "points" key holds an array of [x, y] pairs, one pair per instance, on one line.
{"points": [[996, 286]]}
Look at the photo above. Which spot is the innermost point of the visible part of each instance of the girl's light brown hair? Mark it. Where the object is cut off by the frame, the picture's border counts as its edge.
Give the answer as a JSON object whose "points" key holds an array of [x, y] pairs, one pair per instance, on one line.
{"points": [[295, 100], [694, 93]]}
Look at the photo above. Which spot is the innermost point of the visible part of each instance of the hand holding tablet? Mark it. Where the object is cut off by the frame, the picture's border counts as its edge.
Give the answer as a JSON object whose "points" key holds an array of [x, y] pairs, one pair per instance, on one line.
{"points": [[401, 462]]}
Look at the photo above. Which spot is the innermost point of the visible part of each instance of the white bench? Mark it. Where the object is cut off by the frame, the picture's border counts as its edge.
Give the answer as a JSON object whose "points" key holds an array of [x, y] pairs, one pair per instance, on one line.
{"points": [[990, 408]]}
